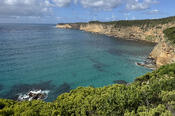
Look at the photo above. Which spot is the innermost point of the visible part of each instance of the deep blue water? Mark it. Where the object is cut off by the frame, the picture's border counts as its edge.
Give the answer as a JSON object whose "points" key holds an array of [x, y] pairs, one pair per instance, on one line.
{"points": [[43, 57]]}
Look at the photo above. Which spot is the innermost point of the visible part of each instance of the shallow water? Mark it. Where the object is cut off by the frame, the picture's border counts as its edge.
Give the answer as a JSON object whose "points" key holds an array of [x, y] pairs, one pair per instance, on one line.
{"points": [[43, 57]]}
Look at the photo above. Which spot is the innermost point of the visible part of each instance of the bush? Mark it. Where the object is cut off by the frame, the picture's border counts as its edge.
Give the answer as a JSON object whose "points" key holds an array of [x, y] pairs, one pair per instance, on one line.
{"points": [[170, 34]]}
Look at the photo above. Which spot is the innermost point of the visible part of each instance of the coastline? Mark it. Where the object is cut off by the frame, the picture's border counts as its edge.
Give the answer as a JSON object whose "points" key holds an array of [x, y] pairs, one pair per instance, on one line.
{"points": [[149, 62], [153, 34], [152, 92]]}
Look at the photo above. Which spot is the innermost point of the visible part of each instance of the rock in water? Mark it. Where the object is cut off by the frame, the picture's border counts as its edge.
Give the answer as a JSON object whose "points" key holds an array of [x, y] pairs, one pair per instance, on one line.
{"points": [[34, 95], [21, 88], [148, 63]]}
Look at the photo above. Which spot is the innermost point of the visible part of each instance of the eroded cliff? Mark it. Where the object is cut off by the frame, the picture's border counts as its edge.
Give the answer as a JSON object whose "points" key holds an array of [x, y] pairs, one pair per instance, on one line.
{"points": [[163, 53]]}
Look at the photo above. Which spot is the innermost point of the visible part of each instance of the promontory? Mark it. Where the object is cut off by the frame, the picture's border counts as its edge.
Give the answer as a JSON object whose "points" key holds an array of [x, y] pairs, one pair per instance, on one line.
{"points": [[159, 31]]}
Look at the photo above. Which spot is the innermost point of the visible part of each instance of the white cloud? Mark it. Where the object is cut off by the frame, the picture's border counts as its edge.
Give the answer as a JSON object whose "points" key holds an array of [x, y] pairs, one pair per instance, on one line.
{"points": [[137, 5], [151, 12], [75, 1], [101, 4], [155, 11], [62, 3], [110, 4], [24, 7], [44, 7]]}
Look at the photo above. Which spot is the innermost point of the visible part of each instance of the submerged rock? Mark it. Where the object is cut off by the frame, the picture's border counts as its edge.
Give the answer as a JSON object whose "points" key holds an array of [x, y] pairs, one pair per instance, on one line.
{"points": [[25, 88], [37, 91], [34, 95], [99, 66], [120, 82]]}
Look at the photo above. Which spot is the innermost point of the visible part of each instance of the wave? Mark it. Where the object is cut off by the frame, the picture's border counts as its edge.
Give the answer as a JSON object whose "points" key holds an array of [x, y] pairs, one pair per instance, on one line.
{"points": [[34, 95]]}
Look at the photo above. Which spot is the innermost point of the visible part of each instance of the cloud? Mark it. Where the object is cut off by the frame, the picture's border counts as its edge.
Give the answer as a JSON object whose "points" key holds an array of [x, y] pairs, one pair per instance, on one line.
{"points": [[101, 4], [137, 5], [62, 3], [24, 7], [45, 7], [155, 11], [131, 5], [30, 7]]}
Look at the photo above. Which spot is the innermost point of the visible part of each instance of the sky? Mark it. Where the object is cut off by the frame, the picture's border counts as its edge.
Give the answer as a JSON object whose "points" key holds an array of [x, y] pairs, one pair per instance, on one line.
{"points": [[65, 11]]}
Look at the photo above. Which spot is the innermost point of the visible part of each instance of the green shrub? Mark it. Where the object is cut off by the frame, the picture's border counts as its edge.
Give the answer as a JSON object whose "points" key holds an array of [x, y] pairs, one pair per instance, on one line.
{"points": [[144, 24], [150, 37], [170, 34]]}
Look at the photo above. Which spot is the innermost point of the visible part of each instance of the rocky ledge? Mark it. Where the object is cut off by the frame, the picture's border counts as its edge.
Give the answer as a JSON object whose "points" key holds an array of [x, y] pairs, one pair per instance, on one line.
{"points": [[148, 63]]}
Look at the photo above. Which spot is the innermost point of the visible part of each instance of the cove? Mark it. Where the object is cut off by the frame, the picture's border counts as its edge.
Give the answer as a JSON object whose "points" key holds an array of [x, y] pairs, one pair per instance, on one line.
{"points": [[43, 57]]}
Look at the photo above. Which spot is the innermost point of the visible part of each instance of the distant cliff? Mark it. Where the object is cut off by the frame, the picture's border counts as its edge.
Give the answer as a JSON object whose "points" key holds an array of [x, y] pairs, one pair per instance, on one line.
{"points": [[147, 30]]}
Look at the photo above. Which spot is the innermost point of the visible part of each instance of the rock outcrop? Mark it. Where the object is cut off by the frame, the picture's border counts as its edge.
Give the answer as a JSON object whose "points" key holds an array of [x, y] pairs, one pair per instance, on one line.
{"points": [[34, 95], [162, 53], [64, 26]]}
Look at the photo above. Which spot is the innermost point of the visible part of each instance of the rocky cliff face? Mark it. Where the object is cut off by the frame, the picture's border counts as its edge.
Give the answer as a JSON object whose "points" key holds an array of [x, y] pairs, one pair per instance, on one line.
{"points": [[134, 32], [162, 53]]}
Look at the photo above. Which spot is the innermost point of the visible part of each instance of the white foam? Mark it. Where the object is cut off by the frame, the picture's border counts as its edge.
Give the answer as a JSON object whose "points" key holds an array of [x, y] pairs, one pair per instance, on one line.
{"points": [[27, 97]]}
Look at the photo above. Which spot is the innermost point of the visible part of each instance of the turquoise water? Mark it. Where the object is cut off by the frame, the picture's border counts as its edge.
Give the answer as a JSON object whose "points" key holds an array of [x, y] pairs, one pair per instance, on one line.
{"points": [[43, 57]]}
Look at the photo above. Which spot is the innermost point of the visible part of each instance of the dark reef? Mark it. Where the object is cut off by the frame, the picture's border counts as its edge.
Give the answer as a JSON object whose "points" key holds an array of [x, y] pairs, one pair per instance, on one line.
{"points": [[1, 87], [18, 89], [98, 65], [24, 88]]}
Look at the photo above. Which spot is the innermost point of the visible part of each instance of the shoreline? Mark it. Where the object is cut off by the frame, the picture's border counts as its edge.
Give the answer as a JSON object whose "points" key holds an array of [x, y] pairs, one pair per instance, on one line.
{"points": [[147, 64], [142, 32], [127, 39]]}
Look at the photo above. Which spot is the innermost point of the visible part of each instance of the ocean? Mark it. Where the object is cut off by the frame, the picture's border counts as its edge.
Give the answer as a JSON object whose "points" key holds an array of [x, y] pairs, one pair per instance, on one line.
{"points": [[40, 56]]}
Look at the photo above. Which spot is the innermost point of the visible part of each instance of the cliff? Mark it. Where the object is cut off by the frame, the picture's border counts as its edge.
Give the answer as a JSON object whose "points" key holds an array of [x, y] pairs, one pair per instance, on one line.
{"points": [[163, 53], [147, 30]]}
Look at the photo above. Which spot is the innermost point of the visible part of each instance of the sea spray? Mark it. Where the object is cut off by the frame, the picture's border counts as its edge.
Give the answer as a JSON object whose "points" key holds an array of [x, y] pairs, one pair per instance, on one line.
{"points": [[34, 95]]}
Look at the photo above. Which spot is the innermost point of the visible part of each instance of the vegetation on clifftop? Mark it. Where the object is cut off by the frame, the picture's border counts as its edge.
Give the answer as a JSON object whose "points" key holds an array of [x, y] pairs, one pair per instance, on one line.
{"points": [[152, 94], [146, 22], [170, 34], [124, 23], [152, 22]]}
